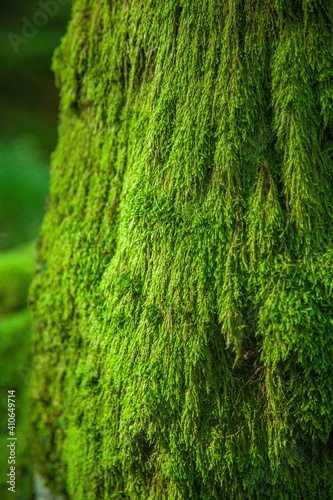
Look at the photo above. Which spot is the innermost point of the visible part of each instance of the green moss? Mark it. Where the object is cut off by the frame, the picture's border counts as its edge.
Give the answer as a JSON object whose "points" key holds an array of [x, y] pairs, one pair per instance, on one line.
{"points": [[183, 318]]}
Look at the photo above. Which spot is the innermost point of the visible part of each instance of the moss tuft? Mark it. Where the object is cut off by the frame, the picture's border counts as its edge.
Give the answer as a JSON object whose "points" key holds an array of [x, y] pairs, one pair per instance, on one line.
{"points": [[183, 321]]}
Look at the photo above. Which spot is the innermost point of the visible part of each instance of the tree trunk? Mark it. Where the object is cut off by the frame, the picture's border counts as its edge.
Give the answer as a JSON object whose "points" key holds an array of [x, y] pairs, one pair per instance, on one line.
{"points": [[183, 306]]}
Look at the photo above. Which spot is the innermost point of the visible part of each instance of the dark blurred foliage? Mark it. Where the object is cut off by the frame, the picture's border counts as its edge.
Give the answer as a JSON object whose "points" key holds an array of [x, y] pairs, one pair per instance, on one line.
{"points": [[28, 132], [29, 107], [28, 98]]}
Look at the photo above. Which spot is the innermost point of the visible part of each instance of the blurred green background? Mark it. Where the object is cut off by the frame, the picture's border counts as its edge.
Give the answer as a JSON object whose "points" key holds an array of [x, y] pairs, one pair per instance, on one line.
{"points": [[30, 30]]}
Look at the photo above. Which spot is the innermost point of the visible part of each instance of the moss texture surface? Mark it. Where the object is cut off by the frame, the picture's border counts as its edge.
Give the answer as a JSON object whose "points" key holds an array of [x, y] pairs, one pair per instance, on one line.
{"points": [[183, 309]]}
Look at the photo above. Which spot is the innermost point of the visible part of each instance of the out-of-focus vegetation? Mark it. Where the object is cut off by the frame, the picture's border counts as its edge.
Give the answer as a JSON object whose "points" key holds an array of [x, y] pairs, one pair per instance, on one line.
{"points": [[28, 119], [16, 267], [28, 130], [15, 271], [23, 188], [28, 98]]}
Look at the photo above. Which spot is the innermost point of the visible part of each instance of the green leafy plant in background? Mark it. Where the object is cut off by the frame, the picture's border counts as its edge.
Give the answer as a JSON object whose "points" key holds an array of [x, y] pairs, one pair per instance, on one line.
{"points": [[16, 267], [28, 98], [29, 104], [183, 312], [23, 190]]}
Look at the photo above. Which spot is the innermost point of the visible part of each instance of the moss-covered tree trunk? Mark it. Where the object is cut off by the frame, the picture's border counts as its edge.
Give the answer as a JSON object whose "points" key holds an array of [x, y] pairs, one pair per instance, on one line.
{"points": [[183, 302]]}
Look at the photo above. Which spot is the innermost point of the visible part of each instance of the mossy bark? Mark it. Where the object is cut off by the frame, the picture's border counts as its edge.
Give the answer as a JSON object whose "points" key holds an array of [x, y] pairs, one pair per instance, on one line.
{"points": [[183, 308]]}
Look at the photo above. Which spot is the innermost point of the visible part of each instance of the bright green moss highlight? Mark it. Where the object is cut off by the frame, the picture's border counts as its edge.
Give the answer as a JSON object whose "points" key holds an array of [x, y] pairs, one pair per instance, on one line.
{"points": [[183, 308]]}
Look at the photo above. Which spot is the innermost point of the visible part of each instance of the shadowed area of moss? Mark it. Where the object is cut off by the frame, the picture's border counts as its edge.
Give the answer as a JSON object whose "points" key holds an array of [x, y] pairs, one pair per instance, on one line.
{"points": [[183, 313], [16, 268]]}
